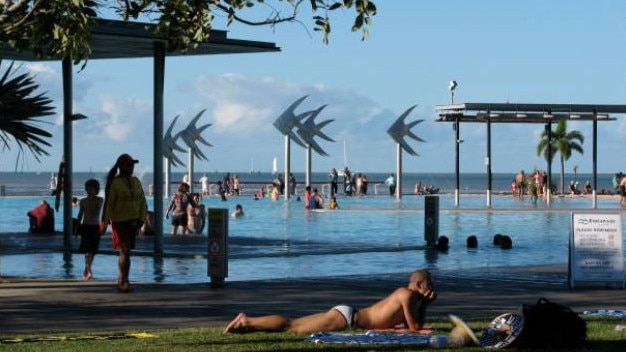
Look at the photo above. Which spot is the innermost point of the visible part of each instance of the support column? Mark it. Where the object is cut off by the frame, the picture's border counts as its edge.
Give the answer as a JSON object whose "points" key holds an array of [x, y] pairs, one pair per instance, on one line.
{"points": [[595, 161], [488, 162], [549, 185], [67, 152], [457, 141], [159, 83]]}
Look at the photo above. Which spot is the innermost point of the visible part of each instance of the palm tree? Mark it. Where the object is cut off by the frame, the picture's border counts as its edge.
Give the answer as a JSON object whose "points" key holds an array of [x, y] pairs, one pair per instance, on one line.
{"points": [[563, 142], [20, 112]]}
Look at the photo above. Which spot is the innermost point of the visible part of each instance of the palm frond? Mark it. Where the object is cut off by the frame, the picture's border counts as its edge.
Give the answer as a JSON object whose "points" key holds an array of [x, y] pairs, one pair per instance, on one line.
{"points": [[21, 113]]}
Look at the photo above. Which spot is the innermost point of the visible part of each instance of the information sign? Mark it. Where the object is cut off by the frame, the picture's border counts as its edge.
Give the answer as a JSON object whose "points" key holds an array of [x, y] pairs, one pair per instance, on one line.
{"points": [[596, 250]]}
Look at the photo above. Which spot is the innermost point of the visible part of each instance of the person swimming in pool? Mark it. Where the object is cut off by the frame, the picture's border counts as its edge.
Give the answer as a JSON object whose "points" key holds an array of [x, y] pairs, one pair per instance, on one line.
{"points": [[405, 307]]}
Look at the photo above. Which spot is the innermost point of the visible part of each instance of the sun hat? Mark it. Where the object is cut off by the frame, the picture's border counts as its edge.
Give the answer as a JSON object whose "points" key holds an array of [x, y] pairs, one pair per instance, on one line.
{"points": [[461, 334], [126, 159], [502, 331]]}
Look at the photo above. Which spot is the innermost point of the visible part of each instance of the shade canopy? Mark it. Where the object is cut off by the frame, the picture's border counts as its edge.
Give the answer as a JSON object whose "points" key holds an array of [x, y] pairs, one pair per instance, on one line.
{"points": [[114, 39], [526, 113]]}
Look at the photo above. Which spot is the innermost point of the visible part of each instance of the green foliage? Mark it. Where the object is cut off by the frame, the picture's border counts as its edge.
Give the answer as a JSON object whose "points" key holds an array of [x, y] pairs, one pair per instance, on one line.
{"points": [[20, 111], [60, 28], [50, 29], [563, 142]]}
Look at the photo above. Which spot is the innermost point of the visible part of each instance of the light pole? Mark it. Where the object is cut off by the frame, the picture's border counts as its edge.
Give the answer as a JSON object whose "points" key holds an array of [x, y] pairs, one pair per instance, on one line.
{"points": [[452, 86]]}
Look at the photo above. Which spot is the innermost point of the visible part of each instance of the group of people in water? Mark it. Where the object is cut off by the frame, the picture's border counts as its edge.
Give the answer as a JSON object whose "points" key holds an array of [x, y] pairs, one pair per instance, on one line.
{"points": [[187, 211], [499, 240], [535, 185]]}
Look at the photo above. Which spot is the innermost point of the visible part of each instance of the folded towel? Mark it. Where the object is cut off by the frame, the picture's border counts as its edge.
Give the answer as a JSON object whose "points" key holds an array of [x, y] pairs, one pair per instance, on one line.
{"points": [[606, 313]]}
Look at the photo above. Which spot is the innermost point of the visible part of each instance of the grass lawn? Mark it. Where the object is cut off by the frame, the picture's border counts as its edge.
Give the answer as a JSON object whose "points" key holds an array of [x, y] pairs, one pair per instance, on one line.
{"points": [[600, 331]]}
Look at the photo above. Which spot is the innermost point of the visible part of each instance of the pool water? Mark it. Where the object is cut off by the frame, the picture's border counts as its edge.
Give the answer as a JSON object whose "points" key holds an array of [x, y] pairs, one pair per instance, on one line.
{"points": [[366, 236]]}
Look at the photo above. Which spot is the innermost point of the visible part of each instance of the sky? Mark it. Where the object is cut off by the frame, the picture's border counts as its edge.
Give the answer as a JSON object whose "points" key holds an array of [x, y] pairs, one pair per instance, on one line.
{"points": [[498, 51]]}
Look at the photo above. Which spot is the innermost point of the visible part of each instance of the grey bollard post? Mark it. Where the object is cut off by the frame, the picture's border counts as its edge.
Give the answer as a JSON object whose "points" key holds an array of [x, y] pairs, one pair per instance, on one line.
{"points": [[217, 246], [431, 220]]}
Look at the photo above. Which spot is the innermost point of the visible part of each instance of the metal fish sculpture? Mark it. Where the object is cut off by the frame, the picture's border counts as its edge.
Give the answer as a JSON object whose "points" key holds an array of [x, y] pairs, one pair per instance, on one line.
{"points": [[310, 129], [399, 129], [192, 133]]}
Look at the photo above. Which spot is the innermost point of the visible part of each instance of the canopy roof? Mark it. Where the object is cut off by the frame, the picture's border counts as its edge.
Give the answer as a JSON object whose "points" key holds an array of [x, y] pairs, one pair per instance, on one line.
{"points": [[114, 39], [526, 113]]}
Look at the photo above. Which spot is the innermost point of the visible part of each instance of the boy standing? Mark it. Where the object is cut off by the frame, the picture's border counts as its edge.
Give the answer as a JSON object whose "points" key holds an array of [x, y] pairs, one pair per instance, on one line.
{"points": [[89, 228]]}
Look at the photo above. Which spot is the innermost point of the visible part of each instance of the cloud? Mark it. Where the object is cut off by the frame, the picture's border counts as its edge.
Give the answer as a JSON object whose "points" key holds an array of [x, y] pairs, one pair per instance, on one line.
{"points": [[243, 109], [50, 81], [124, 118]]}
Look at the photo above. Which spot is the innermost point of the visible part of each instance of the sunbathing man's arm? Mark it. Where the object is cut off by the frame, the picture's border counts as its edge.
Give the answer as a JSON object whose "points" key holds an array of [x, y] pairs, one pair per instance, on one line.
{"points": [[411, 303], [415, 309]]}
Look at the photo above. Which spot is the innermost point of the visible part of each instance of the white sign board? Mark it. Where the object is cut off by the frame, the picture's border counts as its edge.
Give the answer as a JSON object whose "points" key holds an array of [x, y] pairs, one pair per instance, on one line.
{"points": [[596, 250]]}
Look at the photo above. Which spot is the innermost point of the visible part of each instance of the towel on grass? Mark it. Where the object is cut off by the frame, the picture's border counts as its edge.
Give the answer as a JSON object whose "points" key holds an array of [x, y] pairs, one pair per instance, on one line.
{"points": [[606, 313], [137, 335], [369, 337]]}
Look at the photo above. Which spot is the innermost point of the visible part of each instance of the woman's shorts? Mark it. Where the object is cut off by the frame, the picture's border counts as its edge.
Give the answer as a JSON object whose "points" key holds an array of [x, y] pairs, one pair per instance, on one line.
{"points": [[124, 234]]}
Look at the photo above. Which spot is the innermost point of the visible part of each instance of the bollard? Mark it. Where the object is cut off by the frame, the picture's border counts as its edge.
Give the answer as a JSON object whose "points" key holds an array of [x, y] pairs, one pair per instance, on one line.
{"points": [[217, 246], [431, 220]]}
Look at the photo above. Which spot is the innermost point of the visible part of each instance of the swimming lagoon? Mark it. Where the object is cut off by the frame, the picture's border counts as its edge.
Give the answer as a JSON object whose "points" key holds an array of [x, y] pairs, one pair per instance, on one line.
{"points": [[281, 240]]}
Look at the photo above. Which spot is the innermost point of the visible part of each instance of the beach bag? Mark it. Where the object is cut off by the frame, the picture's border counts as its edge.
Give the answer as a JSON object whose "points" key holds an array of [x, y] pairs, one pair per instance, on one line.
{"points": [[551, 325]]}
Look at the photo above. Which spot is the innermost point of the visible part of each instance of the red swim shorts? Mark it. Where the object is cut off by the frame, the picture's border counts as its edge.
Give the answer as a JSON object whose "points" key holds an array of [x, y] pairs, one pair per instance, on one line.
{"points": [[124, 234]]}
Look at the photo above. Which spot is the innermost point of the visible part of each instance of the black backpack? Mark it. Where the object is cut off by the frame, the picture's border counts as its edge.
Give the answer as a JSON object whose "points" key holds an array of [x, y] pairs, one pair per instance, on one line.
{"points": [[549, 324]]}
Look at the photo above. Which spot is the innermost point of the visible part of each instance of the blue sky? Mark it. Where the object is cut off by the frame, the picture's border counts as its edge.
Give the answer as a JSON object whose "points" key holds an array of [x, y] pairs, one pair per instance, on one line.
{"points": [[498, 51]]}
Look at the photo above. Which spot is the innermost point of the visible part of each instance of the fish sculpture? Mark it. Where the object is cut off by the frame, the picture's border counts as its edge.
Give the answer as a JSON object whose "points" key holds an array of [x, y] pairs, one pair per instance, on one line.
{"points": [[288, 120], [399, 129], [192, 133], [310, 130], [170, 145]]}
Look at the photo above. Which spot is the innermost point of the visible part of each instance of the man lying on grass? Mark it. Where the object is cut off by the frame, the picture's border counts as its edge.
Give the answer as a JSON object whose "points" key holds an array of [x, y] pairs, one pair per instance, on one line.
{"points": [[405, 306]]}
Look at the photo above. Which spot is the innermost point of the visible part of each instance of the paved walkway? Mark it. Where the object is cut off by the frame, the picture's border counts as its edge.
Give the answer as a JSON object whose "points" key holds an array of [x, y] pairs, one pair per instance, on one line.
{"points": [[46, 306]]}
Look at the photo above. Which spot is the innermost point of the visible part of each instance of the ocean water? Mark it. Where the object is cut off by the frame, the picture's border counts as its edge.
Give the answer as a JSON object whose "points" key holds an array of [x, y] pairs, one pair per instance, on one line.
{"points": [[33, 183], [367, 236]]}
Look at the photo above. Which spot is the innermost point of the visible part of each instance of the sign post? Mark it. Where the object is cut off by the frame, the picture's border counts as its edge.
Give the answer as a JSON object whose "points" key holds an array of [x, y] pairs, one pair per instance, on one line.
{"points": [[596, 255], [217, 246]]}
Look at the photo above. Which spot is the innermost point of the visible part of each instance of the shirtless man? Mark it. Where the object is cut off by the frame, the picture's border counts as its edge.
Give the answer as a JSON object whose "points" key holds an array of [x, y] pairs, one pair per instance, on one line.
{"points": [[520, 178], [405, 306]]}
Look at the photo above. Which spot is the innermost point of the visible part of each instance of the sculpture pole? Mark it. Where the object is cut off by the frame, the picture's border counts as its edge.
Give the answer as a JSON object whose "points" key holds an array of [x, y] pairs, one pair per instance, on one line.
{"points": [[190, 168], [308, 164], [166, 166], [287, 166], [398, 171]]}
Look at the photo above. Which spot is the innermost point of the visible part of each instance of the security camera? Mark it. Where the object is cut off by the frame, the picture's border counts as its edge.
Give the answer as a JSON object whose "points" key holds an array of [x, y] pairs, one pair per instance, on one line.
{"points": [[452, 85]]}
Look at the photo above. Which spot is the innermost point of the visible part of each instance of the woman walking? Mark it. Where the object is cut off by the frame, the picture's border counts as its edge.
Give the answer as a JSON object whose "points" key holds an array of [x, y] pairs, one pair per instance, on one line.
{"points": [[125, 209]]}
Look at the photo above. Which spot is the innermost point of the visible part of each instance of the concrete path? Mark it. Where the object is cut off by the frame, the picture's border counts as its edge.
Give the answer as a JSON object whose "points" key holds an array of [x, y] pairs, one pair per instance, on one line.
{"points": [[72, 306]]}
